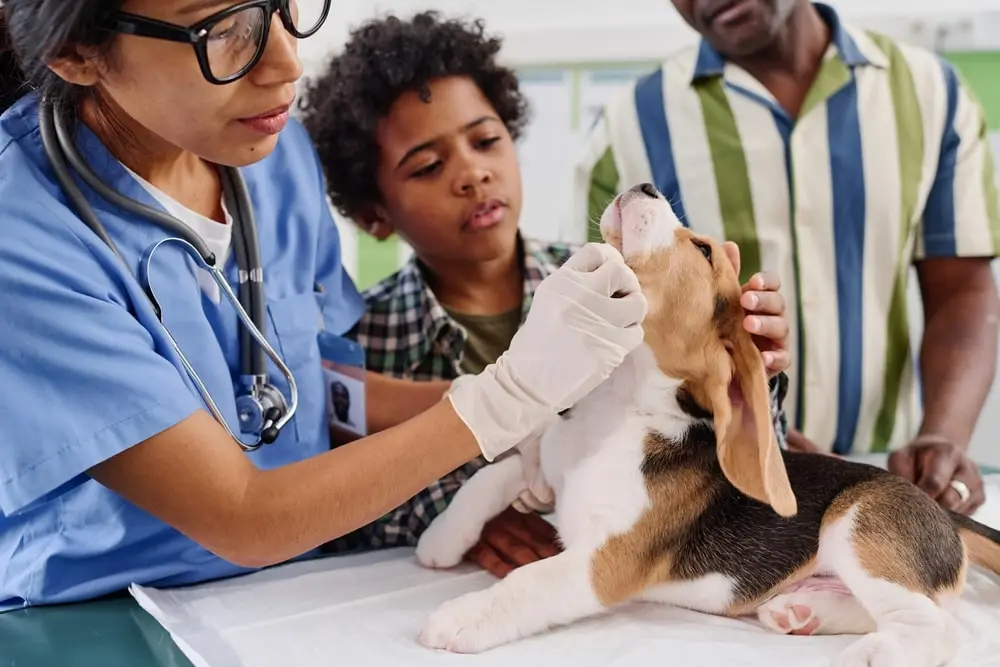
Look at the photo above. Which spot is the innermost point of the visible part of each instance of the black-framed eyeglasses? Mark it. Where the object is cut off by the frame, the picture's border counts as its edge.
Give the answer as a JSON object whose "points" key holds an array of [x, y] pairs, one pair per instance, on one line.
{"points": [[228, 43]]}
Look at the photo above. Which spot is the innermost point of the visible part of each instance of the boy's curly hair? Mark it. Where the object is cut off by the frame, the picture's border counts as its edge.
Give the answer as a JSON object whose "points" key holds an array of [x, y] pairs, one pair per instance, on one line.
{"points": [[383, 59]]}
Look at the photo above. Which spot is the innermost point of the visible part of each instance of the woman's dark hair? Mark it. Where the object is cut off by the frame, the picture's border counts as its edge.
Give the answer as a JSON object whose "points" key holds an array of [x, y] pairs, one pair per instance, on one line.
{"points": [[383, 59], [32, 32]]}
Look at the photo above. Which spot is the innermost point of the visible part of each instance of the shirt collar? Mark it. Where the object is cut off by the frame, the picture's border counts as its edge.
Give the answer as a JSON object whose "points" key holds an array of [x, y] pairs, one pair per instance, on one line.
{"points": [[443, 335], [710, 63]]}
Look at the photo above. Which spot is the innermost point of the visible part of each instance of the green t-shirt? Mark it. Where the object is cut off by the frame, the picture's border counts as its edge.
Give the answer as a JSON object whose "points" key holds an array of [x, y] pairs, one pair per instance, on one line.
{"points": [[488, 337]]}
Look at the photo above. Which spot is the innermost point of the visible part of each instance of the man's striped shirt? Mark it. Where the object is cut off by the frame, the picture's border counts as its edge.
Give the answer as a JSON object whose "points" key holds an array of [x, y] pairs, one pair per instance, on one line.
{"points": [[886, 163]]}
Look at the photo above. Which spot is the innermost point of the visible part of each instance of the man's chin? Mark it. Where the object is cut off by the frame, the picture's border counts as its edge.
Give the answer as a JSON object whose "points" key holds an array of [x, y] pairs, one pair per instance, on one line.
{"points": [[742, 41]]}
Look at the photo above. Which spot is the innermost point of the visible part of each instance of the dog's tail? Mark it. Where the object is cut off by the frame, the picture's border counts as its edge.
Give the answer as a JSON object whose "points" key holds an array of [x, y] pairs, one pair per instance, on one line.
{"points": [[982, 542]]}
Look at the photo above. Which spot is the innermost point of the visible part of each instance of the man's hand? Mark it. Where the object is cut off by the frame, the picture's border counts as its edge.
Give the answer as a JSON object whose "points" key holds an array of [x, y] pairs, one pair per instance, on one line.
{"points": [[765, 314], [932, 464], [513, 539]]}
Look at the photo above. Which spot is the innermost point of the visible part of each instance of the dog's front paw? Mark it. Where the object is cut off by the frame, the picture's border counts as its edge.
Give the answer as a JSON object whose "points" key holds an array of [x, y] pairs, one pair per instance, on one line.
{"points": [[879, 649], [440, 546], [468, 624]]}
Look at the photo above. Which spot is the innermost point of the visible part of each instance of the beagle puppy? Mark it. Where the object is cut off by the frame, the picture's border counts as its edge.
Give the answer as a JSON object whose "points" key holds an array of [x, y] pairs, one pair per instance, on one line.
{"points": [[670, 487]]}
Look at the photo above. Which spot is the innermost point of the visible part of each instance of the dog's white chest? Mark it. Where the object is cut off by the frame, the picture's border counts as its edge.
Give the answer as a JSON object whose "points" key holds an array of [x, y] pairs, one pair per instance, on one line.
{"points": [[593, 460], [603, 494]]}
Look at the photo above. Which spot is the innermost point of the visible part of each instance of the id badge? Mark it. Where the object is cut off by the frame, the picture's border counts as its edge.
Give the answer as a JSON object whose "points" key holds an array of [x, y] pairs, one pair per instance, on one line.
{"points": [[344, 378]]}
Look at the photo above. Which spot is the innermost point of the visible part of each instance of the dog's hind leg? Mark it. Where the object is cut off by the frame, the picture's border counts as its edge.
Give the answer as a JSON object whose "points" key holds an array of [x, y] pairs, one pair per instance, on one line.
{"points": [[817, 606], [486, 494], [899, 566], [531, 599]]}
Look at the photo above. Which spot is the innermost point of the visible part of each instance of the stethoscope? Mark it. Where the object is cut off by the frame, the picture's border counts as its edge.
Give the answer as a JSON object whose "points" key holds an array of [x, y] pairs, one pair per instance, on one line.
{"points": [[261, 407]]}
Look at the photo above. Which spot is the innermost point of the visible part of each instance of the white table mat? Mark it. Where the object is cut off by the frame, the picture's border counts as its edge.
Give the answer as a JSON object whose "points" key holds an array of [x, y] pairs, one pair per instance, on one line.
{"points": [[368, 609]]}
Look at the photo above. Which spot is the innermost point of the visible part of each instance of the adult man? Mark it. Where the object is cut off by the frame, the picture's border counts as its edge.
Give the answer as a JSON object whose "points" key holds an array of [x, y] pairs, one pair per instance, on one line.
{"points": [[836, 158]]}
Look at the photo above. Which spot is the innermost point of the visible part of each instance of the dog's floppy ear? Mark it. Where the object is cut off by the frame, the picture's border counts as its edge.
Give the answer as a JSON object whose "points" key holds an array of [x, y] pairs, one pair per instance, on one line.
{"points": [[745, 441]]}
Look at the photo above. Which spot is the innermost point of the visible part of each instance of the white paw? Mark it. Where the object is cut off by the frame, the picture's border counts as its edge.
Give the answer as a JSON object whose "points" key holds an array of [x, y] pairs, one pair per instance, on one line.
{"points": [[468, 624], [879, 649], [789, 614], [441, 547]]}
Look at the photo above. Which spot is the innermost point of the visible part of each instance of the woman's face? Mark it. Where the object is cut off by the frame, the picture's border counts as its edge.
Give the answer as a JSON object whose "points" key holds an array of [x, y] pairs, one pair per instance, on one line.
{"points": [[162, 96], [449, 175]]}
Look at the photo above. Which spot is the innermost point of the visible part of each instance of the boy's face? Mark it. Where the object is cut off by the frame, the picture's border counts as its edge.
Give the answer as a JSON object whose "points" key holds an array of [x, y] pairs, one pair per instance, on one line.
{"points": [[449, 175]]}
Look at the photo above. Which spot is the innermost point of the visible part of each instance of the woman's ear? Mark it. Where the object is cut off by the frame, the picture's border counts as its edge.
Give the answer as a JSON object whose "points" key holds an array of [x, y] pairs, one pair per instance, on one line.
{"points": [[77, 66]]}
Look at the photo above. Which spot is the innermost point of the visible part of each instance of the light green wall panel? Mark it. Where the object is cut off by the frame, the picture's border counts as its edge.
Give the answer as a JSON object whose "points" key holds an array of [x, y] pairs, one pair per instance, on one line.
{"points": [[376, 259], [982, 72]]}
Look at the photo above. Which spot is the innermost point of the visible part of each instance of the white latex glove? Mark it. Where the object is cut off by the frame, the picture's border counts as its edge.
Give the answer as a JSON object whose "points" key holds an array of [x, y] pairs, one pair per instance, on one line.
{"points": [[538, 495], [584, 320]]}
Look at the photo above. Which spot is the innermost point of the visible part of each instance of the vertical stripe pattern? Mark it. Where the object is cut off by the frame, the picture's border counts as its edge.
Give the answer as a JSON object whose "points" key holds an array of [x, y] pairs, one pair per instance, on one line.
{"points": [[651, 110], [847, 183], [939, 212], [884, 226], [886, 163], [765, 132], [603, 189], [817, 262], [731, 175], [912, 134], [697, 186]]}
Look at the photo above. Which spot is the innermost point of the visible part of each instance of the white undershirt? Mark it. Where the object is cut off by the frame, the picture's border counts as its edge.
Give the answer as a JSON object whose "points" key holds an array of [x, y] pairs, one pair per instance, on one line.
{"points": [[218, 236]]}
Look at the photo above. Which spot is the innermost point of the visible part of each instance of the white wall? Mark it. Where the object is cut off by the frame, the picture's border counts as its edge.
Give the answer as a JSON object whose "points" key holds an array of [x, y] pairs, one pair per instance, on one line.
{"points": [[558, 32], [562, 31]]}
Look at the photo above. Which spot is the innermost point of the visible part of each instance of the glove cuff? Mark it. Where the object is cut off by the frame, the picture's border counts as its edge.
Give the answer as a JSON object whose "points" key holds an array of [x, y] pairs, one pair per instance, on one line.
{"points": [[496, 410]]}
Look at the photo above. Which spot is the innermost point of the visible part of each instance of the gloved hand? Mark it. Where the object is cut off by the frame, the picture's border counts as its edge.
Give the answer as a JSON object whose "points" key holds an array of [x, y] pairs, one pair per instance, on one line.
{"points": [[538, 496], [584, 320]]}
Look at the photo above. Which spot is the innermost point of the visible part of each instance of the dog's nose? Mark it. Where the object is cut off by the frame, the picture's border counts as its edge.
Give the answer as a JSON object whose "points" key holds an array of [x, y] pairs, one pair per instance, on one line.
{"points": [[646, 189]]}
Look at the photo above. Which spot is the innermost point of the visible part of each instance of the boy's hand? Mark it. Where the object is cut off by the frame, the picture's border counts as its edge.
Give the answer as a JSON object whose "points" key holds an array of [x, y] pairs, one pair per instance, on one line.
{"points": [[513, 539], [797, 442], [765, 314]]}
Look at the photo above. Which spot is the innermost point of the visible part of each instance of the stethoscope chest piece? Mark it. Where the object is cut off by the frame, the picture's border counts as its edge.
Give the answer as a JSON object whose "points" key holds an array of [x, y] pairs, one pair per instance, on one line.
{"points": [[260, 409]]}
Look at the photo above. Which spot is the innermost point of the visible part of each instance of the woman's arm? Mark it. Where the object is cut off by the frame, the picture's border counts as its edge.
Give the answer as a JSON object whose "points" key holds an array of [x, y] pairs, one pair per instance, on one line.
{"points": [[390, 401], [195, 478]]}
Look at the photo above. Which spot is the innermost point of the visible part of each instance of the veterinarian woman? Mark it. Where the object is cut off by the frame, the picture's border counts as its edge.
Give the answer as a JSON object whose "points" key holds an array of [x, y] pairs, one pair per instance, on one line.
{"points": [[113, 468]]}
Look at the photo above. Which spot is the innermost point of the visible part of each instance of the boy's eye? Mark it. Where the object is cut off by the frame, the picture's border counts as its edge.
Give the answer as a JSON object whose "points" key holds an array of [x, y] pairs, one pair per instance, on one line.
{"points": [[426, 171], [486, 143]]}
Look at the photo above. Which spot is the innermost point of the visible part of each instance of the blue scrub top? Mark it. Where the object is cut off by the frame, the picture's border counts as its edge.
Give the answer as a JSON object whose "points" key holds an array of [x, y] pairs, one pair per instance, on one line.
{"points": [[86, 370]]}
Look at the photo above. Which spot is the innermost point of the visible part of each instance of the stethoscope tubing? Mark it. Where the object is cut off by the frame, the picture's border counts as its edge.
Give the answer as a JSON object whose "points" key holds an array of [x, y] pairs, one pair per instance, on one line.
{"points": [[60, 148]]}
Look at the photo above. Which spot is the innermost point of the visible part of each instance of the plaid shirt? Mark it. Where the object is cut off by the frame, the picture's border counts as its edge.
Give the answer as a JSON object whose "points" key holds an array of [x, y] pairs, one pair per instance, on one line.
{"points": [[407, 333]]}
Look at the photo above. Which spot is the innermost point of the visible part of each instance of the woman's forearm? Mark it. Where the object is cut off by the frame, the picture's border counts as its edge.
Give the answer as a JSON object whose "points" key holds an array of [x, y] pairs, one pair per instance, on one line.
{"points": [[301, 506], [390, 401], [195, 479]]}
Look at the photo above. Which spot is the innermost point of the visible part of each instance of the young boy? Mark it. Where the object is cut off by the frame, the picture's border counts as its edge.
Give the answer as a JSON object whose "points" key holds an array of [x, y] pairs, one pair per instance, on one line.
{"points": [[416, 123]]}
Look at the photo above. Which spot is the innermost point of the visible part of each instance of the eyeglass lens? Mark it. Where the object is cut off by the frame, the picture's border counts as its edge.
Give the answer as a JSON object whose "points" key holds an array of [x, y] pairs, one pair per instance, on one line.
{"points": [[233, 42]]}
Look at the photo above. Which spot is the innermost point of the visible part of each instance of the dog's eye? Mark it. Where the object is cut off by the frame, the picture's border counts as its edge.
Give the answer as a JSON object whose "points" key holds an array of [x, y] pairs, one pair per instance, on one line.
{"points": [[705, 249]]}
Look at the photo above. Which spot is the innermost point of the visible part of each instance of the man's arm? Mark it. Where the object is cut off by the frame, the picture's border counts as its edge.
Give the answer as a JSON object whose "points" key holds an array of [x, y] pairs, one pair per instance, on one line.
{"points": [[956, 240], [959, 350]]}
